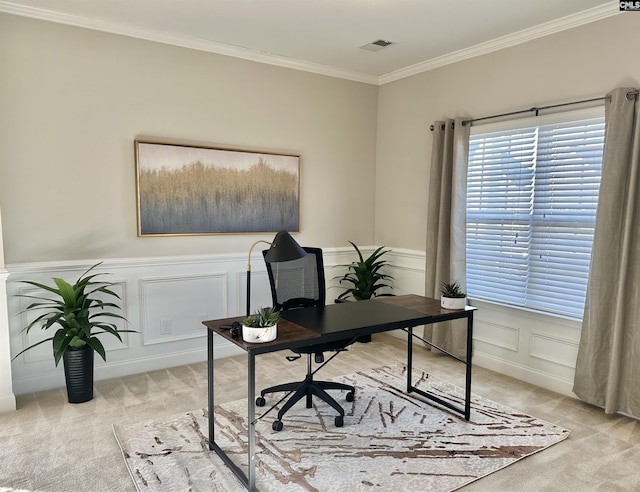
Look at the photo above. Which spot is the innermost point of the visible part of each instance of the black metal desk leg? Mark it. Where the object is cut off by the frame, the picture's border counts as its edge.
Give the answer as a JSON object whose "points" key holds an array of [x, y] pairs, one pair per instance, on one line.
{"points": [[251, 421], [210, 384], [409, 358], [467, 400]]}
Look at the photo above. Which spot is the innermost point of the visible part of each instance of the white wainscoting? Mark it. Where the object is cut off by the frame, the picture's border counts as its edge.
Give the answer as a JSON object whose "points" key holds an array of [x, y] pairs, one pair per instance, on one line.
{"points": [[7, 396], [166, 299], [533, 347]]}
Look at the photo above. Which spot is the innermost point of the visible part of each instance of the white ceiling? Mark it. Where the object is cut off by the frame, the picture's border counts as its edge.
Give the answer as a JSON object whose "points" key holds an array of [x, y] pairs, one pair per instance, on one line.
{"points": [[325, 36]]}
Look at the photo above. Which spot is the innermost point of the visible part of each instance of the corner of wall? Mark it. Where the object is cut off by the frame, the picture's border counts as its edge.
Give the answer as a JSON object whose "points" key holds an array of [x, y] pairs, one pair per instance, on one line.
{"points": [[7, 398]]}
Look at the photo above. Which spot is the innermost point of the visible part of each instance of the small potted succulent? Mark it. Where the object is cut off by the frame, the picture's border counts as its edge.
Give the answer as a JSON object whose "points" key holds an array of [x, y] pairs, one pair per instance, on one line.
{"points": [[261, 327], [452, 296]]}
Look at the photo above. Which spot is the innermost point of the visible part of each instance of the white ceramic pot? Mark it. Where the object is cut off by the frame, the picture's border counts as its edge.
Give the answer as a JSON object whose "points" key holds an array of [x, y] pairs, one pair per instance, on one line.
{"points": [[453, 302], [259, 335]]}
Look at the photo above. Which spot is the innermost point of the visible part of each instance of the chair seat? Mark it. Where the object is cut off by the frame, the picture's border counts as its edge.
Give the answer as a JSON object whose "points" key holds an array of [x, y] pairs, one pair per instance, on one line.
{"points": [[336, 346]]}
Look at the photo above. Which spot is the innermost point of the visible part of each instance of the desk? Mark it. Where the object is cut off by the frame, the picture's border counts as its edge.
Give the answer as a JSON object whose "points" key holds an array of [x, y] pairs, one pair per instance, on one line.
{"points": [[307, 326]]}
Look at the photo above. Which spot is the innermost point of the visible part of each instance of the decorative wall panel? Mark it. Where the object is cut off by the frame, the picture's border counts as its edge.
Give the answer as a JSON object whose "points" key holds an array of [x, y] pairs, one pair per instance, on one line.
{"points": [[173, 308], [553, 349], [504, 337]]}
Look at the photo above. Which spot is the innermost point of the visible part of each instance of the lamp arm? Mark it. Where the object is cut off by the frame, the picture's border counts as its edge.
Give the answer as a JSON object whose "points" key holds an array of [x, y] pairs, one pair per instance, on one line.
{"points": [[251, 250], [249, 272]]}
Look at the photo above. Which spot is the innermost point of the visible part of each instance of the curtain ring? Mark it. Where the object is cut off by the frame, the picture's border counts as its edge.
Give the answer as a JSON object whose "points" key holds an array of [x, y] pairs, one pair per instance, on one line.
{"points": [[632, 96], [432, 128]]}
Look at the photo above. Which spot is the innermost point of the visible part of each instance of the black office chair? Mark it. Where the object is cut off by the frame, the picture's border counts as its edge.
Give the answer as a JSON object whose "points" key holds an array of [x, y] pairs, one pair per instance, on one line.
{"points": [[295, 284]]}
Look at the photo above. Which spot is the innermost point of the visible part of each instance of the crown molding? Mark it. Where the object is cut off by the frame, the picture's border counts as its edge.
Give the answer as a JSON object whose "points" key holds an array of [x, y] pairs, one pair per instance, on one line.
{"points": [[601, 12], [184, 42], [591, 15]]}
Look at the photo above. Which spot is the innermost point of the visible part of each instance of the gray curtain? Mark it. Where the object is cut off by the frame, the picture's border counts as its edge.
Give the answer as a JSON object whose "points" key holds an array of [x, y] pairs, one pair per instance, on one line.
{"points": [[446, 221], [608, 362]]}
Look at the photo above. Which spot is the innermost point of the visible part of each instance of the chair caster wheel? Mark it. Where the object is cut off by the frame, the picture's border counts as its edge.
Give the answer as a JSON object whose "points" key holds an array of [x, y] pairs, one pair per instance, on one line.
{"points": [[260, 401], [277, 425], [350, 396], [339, 421]]}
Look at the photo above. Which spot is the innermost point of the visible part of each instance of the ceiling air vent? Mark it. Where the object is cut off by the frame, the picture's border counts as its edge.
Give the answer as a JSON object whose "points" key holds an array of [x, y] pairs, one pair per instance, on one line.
{"points": [[376, 45]]}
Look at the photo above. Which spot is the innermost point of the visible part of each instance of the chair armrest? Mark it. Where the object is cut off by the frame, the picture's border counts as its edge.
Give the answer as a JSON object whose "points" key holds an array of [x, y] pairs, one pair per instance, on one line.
{"points": [[340, 301]]}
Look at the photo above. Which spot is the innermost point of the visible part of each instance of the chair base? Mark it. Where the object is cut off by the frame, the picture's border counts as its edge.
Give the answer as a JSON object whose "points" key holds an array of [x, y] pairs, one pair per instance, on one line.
{"points": [[307, 389]]}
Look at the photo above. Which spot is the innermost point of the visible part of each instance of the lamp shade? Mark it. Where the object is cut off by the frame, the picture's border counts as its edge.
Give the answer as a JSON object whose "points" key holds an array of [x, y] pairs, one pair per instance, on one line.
{"points": [[284, 248]]}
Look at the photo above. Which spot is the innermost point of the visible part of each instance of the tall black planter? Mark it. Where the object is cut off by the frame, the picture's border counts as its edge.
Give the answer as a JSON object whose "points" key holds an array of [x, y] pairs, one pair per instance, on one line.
{"points": [[78, 373]]}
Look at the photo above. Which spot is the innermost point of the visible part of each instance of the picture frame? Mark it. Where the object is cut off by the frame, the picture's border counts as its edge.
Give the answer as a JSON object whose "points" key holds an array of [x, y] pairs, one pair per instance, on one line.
{"points": [[199, 190]]}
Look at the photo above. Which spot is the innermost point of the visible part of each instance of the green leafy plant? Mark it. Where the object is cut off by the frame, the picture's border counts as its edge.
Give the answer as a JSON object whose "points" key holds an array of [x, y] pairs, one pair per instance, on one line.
{"points": [[452, 289], [262, 318], [76, 312], [365, 277]]}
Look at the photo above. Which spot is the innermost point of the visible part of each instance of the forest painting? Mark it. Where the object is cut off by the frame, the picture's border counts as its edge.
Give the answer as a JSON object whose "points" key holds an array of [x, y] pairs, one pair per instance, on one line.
{"points": [[188, 190]]}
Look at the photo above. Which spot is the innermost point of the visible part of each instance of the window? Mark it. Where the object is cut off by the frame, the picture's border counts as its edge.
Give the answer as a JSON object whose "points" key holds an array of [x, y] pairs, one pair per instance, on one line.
{"points": [[532, 193]]}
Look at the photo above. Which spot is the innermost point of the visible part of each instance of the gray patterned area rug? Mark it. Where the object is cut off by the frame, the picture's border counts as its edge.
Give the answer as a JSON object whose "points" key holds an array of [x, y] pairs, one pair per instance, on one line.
{"points": [[390, 441]]}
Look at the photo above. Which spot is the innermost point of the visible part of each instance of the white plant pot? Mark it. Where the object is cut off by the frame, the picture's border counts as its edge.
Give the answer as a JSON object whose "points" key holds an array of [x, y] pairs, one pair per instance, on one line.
{"points": [[453, 302], [259, 335]]}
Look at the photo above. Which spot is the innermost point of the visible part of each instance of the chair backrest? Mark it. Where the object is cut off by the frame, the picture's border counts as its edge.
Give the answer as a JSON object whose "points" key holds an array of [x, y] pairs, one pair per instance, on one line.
{"points": [[298, 283]]}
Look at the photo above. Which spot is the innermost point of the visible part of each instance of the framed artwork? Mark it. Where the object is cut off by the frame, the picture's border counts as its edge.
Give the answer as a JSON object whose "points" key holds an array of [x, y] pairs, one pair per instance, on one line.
{"points": [[194, 190]]}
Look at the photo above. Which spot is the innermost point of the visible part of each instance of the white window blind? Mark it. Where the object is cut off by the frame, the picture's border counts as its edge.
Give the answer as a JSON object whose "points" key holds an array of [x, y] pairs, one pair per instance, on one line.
{"points": [[532, 194]]}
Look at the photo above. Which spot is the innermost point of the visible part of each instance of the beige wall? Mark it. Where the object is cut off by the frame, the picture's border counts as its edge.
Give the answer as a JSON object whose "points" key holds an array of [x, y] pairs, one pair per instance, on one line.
{"points": [[72, 101], [580, 63]]}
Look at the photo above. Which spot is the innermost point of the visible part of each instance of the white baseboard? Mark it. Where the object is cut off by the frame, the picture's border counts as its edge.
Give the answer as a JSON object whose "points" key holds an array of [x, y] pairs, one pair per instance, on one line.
{"points": [[526, 374], [523, 373], [125, 368], [147, 364], [7, 403]]}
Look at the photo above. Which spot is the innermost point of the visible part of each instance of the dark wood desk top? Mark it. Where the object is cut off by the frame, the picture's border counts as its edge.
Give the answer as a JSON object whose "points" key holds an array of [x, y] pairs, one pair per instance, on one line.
{"points": [[424, 305], [290, 335], [303, 327]]}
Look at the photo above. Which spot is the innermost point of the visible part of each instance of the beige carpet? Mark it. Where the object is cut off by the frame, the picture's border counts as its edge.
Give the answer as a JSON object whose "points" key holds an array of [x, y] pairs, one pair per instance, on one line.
{"points": [[390, 441]]}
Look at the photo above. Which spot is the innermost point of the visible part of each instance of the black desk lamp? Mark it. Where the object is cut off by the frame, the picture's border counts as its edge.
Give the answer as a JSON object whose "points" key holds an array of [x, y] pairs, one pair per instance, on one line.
{"points": [[283, 248]]}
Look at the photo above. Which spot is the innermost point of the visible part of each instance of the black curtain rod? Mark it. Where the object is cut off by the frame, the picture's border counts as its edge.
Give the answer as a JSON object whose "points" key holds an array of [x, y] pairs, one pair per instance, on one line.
{"points": [[630, 95]]}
